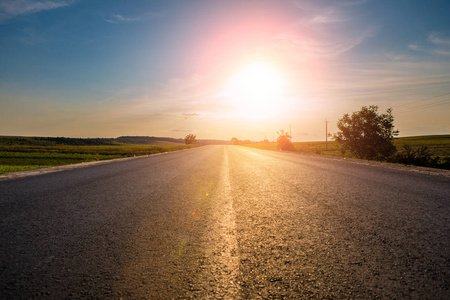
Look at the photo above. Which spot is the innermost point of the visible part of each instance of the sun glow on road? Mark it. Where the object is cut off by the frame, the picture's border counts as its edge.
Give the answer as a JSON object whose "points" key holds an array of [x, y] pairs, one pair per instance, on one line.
{"points": [[255, 90]]}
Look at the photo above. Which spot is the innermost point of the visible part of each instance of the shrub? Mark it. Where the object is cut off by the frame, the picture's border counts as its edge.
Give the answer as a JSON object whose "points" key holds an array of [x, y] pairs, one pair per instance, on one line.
{"points": [[367, 134], [284, 142], [190, 139], [419, 157]]}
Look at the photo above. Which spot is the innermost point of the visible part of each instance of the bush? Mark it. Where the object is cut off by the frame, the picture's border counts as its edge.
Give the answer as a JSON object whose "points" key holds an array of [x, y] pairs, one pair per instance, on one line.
{"points": [[419, 157], [284, 142], [367, 134], [190, 139]]}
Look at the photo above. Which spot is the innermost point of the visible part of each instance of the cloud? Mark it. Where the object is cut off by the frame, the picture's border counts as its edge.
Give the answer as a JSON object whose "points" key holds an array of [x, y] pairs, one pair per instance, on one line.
{"points": [[187, 116], [442, 52], [395, 57], [324, 31], [10, 9], [438, 44], [328, 47], [414, 47], [439, 38], [393, 82], [334, 13], [329, 15], [327, 19], [116, 19]]}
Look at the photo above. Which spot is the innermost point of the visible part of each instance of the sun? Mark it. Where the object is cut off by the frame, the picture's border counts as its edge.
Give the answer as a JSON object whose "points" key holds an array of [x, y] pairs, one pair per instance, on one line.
{"points": [[255, 90]]}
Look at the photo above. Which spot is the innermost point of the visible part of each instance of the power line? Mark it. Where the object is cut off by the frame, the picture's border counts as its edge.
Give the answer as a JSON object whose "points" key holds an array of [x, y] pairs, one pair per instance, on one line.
{"points": [[399, 90], [421, 100], [424, 105]]}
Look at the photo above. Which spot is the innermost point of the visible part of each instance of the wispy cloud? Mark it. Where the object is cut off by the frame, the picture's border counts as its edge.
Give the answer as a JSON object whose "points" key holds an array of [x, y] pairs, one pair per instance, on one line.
{"points": [[414, 47], [186, 116], [325, 48], [117, 18], [438, 44], [10, 9], [334, 13], [394, 82], [439, 38], [323, 31], [329, 15], [442, 52], [394, 56]]}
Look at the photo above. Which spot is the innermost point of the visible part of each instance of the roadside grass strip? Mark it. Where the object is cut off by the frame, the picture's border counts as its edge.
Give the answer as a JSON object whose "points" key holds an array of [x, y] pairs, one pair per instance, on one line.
{"points": [[23, 157]]}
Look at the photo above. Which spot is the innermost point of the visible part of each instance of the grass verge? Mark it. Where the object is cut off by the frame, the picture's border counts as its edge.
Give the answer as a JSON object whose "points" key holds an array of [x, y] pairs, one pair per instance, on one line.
{"points": [[438, 146], [25, 157]]}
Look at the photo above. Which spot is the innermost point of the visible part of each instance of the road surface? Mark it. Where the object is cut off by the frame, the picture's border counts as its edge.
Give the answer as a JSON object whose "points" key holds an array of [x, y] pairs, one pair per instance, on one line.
{"points": [[226, 222]]}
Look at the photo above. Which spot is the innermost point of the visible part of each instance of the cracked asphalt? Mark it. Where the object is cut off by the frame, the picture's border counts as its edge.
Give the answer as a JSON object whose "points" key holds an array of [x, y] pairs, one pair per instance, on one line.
{"points": [[226, 222]]}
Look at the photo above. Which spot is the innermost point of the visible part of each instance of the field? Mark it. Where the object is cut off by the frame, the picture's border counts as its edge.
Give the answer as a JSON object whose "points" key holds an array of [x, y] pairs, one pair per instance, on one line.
{"points": [[19, 154], [439, 145], [303, 147], [27, 157]]}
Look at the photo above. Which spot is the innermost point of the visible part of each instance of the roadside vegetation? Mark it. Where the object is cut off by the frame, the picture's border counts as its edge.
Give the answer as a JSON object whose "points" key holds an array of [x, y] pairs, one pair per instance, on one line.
{"points": [[190, 139], [284, 141], [20, 157], [438, 147], [366, 134]]}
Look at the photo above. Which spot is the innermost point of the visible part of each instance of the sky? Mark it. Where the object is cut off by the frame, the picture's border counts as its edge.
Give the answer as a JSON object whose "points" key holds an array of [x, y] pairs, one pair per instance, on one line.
{"points": [[221, 69]]}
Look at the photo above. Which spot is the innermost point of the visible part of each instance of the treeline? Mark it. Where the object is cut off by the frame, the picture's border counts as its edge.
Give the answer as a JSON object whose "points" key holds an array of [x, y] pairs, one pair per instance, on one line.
{"points": [[236, 141], [53, 141], [134, 140]]}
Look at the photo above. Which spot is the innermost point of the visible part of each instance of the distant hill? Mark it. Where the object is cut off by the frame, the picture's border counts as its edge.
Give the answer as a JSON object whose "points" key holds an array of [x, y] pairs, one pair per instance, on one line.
{"points": [[53, 141], [135, 140]]}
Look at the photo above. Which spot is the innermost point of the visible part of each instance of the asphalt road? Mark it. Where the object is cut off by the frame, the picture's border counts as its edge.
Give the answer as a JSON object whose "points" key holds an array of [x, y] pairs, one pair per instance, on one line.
{"points": [[226, 222]]}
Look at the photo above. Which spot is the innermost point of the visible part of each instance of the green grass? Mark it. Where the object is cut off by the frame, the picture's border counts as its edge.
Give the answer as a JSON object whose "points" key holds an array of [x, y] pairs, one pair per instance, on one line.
{"points": [[9, 168], [303, 147], [26, 157], [439, 145]]}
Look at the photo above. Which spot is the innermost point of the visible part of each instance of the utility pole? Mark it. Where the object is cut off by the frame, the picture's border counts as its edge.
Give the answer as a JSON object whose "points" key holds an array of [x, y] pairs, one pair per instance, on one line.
{"points": [[326, 135]]}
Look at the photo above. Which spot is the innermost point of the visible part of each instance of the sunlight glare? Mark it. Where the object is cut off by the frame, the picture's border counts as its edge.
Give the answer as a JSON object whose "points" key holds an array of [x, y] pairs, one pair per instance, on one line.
{"points": [[255, 91]]}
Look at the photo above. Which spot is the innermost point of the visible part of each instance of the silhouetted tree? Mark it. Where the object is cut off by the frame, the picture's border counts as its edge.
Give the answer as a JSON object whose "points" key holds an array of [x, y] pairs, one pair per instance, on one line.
{"points": [[190, 139], [367, 134], [234, 141], [283, 141]]}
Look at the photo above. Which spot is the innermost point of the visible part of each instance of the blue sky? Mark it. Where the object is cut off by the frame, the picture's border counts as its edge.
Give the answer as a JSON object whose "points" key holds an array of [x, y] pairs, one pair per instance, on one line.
{"points": [[87, 68]]}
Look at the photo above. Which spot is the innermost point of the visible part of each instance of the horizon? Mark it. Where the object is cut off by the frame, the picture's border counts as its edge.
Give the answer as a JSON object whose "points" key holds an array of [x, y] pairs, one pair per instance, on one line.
{"points": [[219, 70], [212, 139]]}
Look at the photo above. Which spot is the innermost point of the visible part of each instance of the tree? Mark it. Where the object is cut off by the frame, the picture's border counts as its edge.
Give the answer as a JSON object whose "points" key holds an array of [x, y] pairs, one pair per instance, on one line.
{"points": [[283, 141], [190, 139], [367, 134], [234, 141]]}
